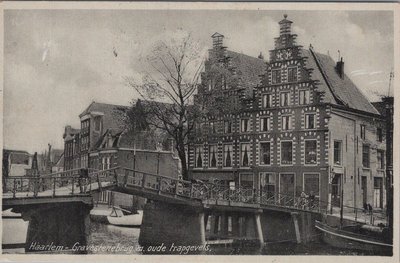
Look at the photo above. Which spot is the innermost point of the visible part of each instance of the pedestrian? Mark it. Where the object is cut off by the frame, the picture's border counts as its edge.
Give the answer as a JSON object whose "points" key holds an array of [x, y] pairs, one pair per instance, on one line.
{"points": [[303, 199], [311, 199]]}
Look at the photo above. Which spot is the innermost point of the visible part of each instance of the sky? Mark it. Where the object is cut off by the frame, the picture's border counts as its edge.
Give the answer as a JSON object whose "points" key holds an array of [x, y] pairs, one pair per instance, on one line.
{"points": [[56, 62]]}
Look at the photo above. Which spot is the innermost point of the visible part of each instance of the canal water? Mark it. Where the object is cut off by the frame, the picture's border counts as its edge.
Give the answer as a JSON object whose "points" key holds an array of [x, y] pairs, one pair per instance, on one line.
{"points": [[125, 241]]}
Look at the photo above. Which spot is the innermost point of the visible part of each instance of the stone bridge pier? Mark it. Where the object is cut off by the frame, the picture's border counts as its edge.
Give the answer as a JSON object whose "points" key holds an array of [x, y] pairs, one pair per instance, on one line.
{"points": [[172, 224], [56, 227]]}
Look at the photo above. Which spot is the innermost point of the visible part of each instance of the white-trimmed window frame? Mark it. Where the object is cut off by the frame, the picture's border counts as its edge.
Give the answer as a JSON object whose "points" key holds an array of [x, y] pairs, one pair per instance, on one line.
{"points": [[288, 100], [307, 122], [261, 157], [262, 119], [319, 182], [195, 156], [281, 153], [279, 73], [289, 123], [248, 125], [209, 156], [316, 151], [294, 182], [223, 156], [267, 101], [308, 98], [296, 78], [240, 156]]}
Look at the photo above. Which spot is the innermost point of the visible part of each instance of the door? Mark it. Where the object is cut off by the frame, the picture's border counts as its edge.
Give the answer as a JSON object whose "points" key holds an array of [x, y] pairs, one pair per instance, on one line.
{"points": [[364, 189], [286, 188], [336, 188]]}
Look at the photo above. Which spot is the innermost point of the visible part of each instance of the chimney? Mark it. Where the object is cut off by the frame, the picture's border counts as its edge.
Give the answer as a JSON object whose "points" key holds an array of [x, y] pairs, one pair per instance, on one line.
{"points": [[261, 56], [340, 68], [217, 40]]}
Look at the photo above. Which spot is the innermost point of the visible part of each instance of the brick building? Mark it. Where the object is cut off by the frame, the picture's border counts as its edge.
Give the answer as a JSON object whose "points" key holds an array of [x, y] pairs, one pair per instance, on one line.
{"points": [[104, 141], [296, 123]]}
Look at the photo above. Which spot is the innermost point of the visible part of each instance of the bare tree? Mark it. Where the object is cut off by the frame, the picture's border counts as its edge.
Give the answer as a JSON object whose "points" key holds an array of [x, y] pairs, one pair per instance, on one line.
{"points": [[171, 74]]}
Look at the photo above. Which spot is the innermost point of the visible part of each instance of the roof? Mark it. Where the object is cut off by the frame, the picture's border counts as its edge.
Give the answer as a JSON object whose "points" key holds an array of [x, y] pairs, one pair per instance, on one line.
{"points": [[381, 107], [248, 68], [112, 119], [337, 90]]}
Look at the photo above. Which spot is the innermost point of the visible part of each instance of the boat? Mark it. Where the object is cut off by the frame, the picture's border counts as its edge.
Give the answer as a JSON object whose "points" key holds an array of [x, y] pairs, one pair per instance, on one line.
{"points": [[119, 217], [9, 214], [357, 237]]}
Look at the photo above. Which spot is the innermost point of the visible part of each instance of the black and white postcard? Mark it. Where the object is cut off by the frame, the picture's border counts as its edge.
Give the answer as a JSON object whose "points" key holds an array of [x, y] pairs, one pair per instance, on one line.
{"points": [[197, 130]]}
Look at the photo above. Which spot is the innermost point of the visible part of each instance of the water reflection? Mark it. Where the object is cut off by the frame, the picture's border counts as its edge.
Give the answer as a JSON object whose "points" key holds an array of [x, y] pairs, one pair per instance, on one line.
{"points": [[125, 241]]}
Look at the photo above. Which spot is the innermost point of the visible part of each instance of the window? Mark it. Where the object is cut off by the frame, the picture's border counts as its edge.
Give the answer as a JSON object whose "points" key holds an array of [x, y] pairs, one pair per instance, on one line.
{"points": [[286, 153], [267, 100], [212, 156], [227, 127], [197, 128], [244, 125], [267, 184], [379, 134], [245, 154], [311, 184], [310, 121], [292, 74], [213, 128], [311, 152], [304, 97], [228, 150], [381, 159], [362, 131], [285, 99], [198, 154], [337, 152], [265, 153], [97, 123], [365, 156], [276, 76], [286, 123], [224, 83], [265, 124], [246, 180]]}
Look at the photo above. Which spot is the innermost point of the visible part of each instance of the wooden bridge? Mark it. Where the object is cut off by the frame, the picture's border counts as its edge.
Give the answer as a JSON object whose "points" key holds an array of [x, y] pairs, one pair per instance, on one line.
{"points": [[178, 212]]}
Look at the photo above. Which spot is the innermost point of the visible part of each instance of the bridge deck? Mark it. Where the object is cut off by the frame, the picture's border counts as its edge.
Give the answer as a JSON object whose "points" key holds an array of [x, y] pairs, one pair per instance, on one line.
{"points": [[156, 187]]}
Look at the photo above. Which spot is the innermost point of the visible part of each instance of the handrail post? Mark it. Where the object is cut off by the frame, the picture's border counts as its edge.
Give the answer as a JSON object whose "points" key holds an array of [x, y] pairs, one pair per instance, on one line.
{"points": [[143, 180], [35, 186], [176, 187], [191, 190], [116, 176], [159, 184], [73, 185], [54, 186], [90, 184], [126, 178], [14, 188], [99, 182]]}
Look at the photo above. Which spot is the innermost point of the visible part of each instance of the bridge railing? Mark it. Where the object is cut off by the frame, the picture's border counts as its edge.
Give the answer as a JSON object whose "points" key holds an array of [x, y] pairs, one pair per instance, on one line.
{"points": [[72, 182], [23, 186]]}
